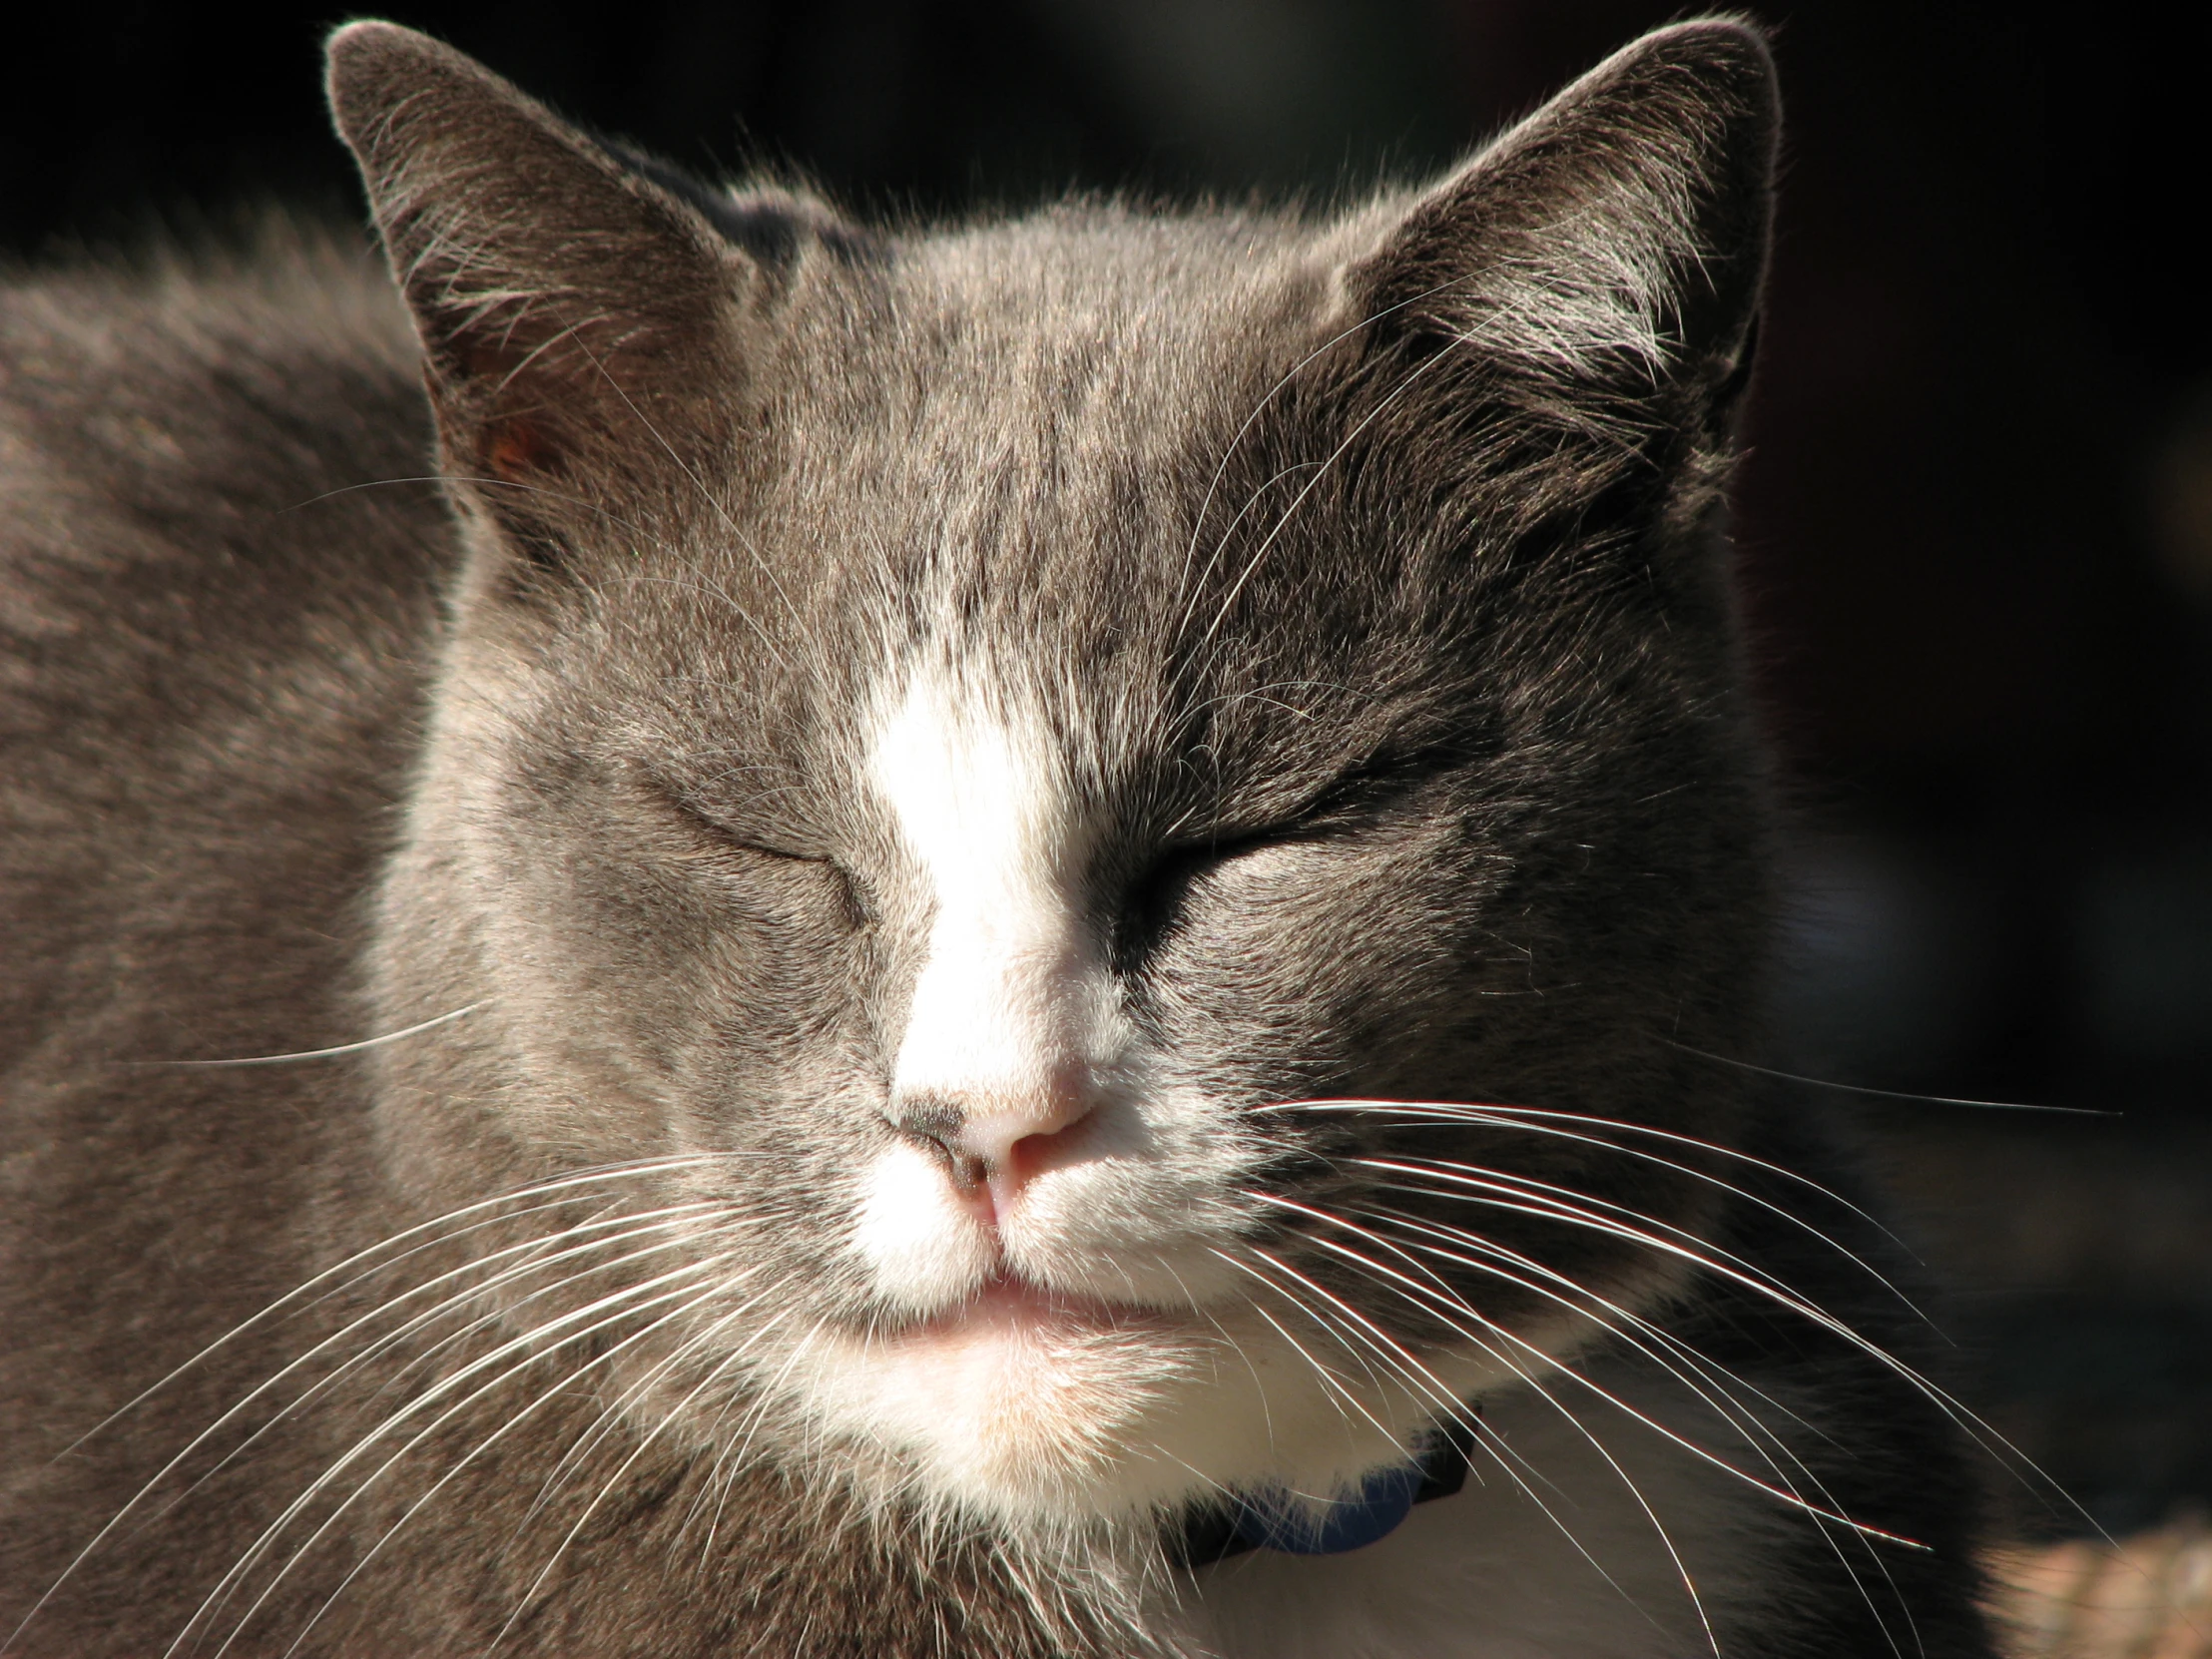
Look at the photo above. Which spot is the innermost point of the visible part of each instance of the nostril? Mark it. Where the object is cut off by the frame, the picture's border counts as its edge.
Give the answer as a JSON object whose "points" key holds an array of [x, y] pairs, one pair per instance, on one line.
{"points": [[938, 1126], [990, 1155], [1032, 1154], [929, 1119]]}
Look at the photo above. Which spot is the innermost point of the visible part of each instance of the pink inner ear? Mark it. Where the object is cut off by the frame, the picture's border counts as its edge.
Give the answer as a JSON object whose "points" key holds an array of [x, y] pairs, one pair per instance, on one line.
{"points": [[514, 446]]}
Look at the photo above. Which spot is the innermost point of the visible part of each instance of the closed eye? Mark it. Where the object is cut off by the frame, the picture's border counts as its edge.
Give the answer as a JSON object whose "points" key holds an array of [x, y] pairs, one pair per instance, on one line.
{"points": [[716, 844], [715, 835], [1364, 795], [1155, 897]]}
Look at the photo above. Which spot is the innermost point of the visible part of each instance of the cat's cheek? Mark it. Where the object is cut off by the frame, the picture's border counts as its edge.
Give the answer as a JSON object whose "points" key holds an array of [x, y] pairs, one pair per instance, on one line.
{"points": [[923, 1248], [1145, 1219]]}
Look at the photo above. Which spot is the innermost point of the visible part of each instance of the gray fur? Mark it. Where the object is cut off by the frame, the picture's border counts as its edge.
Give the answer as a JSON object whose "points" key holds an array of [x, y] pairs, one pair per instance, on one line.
{"points": [[1369, 572]]}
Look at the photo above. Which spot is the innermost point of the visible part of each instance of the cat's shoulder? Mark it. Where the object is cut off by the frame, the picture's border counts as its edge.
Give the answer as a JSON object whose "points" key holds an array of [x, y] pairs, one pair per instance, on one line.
{"points": [[218, 585], [234, 363], [213, 478], [186, 411]]}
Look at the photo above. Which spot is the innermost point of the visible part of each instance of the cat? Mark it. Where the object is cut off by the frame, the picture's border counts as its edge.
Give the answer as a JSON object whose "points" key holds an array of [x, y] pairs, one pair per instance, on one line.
{"points": [[732, 933]]}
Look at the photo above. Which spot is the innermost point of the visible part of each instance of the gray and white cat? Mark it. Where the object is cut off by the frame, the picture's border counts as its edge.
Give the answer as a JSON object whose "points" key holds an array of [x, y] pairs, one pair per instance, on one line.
{"points": [[896, 942]]}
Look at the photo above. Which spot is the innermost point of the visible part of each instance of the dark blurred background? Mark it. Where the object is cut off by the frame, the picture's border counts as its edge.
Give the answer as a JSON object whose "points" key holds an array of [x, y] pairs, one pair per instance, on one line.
{"points": [[1976, 523]]}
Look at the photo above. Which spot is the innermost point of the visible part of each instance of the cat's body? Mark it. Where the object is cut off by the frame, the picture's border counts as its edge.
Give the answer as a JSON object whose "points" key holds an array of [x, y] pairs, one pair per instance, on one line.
{"points": [[902, 766]]}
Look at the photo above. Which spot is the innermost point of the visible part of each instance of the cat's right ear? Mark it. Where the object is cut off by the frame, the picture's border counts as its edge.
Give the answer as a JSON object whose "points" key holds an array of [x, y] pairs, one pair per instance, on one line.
{"points": [[585, 328]]}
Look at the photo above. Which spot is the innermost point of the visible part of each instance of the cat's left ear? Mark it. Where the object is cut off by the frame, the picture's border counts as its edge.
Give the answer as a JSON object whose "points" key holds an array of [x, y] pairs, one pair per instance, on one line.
{"points": [[1607, 251], [586, 330]]}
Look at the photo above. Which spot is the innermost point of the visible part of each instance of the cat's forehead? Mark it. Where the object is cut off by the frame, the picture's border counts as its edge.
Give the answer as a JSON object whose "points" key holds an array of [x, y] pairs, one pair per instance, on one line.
{"points": [[1007, 512], [1084, 332], [1014, 405], [1106, 277]]}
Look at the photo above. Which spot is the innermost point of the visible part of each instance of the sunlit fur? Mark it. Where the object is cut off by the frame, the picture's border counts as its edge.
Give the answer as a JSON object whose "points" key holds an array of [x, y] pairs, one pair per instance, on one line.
{"points": [[874, 907]]}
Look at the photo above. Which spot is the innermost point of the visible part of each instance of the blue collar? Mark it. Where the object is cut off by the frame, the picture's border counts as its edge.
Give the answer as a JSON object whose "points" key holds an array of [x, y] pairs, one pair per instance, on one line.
{"points": [[1268, 1520]]}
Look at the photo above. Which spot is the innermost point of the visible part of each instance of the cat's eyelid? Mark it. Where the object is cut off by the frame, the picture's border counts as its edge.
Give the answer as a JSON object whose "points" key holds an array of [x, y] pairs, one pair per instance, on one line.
{"points": [[726, 841], [1235, 842], [741, 845], [1354, 796], [728, 835], [736, 841]]}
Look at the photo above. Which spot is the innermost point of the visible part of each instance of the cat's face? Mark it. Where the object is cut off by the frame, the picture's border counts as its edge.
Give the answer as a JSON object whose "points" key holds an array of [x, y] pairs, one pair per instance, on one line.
{"points": [[1045, 769]]}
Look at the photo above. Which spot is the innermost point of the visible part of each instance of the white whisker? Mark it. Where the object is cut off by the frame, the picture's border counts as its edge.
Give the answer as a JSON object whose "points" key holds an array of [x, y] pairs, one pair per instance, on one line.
{"points": [[1535, 1120], [549, 1394], [350, 1263], [1424, 1383], [329, 1053], [583, 1324], [1749, 1277], [1762, 1440], [1666, 1539]]}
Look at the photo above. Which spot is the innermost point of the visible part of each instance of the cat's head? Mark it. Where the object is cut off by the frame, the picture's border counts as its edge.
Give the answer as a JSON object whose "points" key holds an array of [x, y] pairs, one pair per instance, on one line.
{"points": [[1124, 803]]}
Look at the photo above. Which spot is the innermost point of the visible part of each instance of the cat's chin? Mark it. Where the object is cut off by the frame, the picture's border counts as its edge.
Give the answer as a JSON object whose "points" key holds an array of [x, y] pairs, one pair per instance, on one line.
{"points": [[1037, 1411], [1012, 1309]]}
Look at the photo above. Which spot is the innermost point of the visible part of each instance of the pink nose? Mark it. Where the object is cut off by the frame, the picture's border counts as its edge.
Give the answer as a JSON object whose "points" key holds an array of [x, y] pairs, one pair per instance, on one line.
{"points": [[995, 1145]]}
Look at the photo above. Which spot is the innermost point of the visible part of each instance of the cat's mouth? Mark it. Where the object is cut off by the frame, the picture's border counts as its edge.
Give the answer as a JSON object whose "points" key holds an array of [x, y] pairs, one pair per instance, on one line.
{"points": [[1008, 1305]]}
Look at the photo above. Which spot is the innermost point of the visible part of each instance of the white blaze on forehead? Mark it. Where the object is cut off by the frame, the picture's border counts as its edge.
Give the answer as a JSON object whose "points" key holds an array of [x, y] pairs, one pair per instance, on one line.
{"points": [[1009, 997]]}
